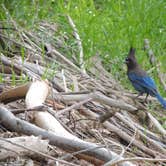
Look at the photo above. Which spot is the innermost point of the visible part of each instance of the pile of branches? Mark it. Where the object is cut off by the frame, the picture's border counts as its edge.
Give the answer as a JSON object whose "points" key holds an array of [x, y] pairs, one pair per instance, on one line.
{"points": [[68, 115]]}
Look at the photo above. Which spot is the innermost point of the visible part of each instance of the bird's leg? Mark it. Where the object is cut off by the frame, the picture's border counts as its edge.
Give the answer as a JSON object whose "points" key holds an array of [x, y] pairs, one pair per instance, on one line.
{"points": [[139, 94], [146, 98]]}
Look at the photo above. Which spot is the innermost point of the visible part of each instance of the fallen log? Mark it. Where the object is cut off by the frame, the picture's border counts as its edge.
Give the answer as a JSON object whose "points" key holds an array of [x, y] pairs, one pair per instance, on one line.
{"points": [[97, 96], [13, 123]]}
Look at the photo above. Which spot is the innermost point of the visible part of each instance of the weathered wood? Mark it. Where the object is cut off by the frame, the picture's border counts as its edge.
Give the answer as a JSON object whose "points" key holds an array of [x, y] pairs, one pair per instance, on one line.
{"points": [[14, 93], [30, 142], [15, 124]]}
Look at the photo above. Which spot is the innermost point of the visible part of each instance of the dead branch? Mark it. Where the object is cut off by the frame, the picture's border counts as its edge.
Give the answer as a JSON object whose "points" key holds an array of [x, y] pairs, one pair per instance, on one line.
{"points": [[74, 106], [157, 124], [150, 141], [98, 70], [81, 61], [122, 153], [8, 70], [122, 134], [56, 53], [138, 159], [75, 84], [14, 93], [19, 66], [97, 96], [34, 145], [153, 62], [37, 108], [9, 121], [64, 81], [106, 116]]}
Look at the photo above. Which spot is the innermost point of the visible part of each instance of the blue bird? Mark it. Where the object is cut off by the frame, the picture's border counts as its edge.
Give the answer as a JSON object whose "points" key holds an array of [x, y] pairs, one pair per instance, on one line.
{"points": [[140, 80]]}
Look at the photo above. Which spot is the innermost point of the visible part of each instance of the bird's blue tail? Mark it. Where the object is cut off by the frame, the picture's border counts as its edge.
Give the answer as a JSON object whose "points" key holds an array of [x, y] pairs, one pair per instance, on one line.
{"points": [[161, 100]]}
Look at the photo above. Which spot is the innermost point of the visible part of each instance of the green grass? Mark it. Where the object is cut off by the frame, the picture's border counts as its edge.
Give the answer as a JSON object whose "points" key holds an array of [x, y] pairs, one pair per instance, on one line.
{"points": [[107, 27]]}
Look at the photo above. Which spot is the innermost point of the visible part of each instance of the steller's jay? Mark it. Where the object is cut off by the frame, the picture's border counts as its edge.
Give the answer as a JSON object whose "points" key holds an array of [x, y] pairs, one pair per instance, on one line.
{"points": [[140, 80]]}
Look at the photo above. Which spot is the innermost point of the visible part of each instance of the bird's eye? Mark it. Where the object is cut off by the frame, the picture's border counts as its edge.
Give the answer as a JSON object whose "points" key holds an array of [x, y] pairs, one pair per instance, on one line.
{"points": [[127, 60]]}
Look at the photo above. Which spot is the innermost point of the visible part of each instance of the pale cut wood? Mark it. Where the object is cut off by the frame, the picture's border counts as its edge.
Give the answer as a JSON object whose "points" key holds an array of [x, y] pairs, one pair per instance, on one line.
{"points": [[13, 123], [36, 96], [46, 121]]}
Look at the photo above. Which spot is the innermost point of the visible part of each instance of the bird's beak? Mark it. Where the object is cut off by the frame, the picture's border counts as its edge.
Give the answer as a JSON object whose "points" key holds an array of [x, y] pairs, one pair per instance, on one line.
{"points": [[126, 61]]}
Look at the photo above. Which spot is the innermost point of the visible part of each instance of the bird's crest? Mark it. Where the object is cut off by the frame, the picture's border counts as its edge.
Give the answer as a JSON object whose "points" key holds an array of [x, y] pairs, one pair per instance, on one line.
{"points": [[131, 60], [131, 52]]}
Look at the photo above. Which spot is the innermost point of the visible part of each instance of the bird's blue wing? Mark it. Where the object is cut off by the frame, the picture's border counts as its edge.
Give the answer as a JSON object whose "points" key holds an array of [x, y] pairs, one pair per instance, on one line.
{"points": [[143, 84]]}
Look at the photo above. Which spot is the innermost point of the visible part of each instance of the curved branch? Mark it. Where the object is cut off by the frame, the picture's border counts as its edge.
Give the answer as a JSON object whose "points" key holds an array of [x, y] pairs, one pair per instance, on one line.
{"points": [[15, 124]]}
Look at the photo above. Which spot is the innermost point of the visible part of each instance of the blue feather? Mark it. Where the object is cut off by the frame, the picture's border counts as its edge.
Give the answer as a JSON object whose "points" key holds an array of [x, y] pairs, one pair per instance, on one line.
{"points": [[145, 84], [139, 78], [161, 100]]}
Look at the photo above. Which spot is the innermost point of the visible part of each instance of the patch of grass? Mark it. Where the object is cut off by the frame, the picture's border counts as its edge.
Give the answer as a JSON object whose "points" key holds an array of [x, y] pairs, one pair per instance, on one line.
{"points": [[50, 71], [107, 27]]}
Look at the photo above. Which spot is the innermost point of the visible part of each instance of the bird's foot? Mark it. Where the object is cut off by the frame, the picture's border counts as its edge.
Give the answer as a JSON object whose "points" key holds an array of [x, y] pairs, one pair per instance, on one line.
{"points": [[139, 94], [146, 98]]}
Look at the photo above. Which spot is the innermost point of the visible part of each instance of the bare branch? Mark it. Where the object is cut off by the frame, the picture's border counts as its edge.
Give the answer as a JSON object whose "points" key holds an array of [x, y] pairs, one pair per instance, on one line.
{"points": [[15, 124], [138, 159], [81, 62], [157, 124], [33, 150]]}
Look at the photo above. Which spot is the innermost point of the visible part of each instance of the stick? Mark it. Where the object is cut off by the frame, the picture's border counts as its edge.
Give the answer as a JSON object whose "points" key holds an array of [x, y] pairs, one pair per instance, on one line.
{"points": [[64, 81], [97, 96], [150, 141], [153, 62], [122, 134], [33, 150], [117, 159], [37, 108], [157, 124], [81, 62], [74, 106], [138, 159], [15, 124]]}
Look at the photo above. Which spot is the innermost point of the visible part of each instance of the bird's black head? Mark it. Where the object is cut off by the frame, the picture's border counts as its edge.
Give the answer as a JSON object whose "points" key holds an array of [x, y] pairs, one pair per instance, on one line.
{"points": [[131, 61]]}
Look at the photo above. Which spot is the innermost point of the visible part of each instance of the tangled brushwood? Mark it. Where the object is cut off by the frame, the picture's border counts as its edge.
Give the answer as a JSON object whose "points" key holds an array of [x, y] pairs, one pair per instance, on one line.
{"points": [[53, 110]]}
